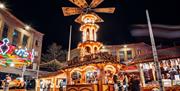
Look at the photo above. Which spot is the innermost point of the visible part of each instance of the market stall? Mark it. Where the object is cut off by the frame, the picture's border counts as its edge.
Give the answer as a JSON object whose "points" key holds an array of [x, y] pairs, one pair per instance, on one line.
{"points": [[14, 60], [169, 60]]}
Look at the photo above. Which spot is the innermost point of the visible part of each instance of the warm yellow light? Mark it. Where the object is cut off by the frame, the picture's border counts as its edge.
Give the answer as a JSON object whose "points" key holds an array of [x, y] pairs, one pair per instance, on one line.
{"points": [[12, 65], [89, 18], [27, 27], [103, 47], [19, 47], [125, 46], [2, 6]]}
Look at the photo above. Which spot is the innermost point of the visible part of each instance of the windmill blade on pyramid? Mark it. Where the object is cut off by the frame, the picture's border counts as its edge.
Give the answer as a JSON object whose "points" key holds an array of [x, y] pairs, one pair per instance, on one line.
{"points": [[80, 3], [78, 19], [95, 3], [99, 19], [68, 11], [104, 10]]}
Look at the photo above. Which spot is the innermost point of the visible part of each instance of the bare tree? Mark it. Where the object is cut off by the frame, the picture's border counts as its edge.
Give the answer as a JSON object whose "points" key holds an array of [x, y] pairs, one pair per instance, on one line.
{"points": [[54, 58], [54, 52]]}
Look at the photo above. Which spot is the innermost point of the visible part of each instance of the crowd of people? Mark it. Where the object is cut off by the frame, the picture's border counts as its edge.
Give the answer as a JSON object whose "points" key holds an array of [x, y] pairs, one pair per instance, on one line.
{"points": [[45, 85], [126, 83], [4, 83], [10, 81]]}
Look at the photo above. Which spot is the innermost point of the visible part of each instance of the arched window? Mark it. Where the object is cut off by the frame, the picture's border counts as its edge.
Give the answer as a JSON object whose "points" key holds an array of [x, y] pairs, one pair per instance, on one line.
{"points": [[87, 34], [95, 49], [93, 34], [76, 76], [88, 49]]}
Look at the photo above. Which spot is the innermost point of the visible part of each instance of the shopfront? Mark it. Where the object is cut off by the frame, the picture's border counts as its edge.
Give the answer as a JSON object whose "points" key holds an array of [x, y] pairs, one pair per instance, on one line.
{"points": [[170, 73]]}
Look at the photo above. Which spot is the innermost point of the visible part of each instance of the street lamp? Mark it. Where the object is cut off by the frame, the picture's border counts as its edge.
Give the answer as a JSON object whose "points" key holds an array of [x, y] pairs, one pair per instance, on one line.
{"points": [[125, 46], [2, 6], [27, 27]]}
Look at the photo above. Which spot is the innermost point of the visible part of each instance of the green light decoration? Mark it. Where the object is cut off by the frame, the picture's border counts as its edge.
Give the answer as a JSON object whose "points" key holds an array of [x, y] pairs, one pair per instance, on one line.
{"points": [[8, 61]]}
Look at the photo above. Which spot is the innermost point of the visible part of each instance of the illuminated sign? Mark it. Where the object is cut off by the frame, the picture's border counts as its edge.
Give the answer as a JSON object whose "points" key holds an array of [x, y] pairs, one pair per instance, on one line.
{"points": [[10, 54], [4, 46]]}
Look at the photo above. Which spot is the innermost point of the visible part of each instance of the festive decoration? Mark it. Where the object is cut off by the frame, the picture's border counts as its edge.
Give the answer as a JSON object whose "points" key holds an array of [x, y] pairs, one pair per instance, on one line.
{"points": [[4, 47], [9, 54]]}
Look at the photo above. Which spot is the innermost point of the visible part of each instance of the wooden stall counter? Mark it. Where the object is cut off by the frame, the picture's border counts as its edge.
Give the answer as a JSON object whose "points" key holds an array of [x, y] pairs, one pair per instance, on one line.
{"points": [[150, 88], [82, 87], [108, 87]]}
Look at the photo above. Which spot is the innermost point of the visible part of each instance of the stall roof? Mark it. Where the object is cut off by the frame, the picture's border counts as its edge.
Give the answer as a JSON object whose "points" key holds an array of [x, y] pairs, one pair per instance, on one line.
{"points": [[28, 72], [102, 57], [163, 54]]}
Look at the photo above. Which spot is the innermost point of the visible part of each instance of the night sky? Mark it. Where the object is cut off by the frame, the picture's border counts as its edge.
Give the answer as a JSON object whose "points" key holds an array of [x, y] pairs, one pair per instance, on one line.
{"points": [[46, 16]]}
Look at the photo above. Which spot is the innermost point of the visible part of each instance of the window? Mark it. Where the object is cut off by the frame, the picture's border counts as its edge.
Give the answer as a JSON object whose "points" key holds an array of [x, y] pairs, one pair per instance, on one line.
{"points": [[129, 54], [122, 55], [91, 76], [88, 49], [95, 49], [76, 75], [5, 31], [88, 34], [114, 52], [37, 43], [25, 40], [138, 51], [93, 36], [15, 37]]}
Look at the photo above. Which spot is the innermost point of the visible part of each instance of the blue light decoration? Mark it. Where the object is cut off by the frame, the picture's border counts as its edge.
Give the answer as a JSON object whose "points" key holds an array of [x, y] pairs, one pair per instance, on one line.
{"points": [[4, 47], [22, 52], [10, 54]]}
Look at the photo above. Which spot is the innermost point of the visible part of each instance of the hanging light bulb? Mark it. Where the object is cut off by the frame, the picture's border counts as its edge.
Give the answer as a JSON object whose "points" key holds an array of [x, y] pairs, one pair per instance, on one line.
{"points": [[12, 65]]}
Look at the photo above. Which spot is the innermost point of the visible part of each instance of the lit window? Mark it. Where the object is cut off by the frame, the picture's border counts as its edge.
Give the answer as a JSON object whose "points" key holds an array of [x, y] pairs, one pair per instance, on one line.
{"points": [[15, 37], [25, 40], [76, 75], [122, 55], [5, 31], [129, 54], [138, 51]]}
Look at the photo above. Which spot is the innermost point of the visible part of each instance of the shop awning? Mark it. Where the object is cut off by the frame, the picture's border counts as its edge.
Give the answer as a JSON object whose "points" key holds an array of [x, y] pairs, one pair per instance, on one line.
{"points": [[132, 68], [163, 54], [28, 72]]}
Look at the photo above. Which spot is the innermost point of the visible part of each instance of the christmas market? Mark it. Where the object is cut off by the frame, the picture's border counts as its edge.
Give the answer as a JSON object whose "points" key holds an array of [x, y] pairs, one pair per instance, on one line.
{"points": [[97, 67], [112, 45]]}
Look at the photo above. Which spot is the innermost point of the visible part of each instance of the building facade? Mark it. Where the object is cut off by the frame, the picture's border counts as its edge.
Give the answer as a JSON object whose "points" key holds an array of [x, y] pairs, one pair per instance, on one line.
{"points": [[19, 34]]}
